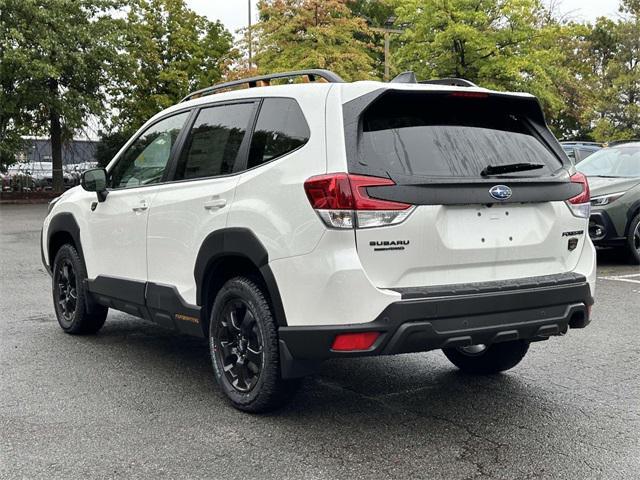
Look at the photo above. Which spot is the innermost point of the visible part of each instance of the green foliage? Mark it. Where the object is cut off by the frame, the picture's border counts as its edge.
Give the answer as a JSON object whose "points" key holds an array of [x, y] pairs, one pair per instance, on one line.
{"points": [[615, 48], [171, 51], [55, 60], [110, 143], [499, 44], [299, 34]]}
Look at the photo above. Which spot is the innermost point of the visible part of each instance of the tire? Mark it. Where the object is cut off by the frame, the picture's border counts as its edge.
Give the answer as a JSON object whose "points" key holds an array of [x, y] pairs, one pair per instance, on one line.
{"points": [[489, 360], [633, 240], [243, 342], [76, 312]]}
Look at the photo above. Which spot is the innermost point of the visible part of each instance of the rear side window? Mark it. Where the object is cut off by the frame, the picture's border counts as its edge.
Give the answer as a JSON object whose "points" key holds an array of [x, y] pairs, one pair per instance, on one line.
{"points": [[214, 141], [281, 129], [444, 136]]}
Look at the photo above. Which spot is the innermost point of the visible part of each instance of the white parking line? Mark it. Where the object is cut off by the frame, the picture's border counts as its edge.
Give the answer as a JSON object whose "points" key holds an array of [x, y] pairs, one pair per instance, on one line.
{"points": [[623, 278]]}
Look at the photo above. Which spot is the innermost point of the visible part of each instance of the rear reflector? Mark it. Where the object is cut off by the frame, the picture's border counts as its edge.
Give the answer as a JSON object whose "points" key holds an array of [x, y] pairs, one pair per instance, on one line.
{"points": [[580, 205], [341, 200], [350, 342]]}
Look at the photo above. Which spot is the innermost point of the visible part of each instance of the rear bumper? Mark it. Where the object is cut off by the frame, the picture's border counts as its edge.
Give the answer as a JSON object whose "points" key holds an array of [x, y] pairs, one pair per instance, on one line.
{"points": [[461, 315]]}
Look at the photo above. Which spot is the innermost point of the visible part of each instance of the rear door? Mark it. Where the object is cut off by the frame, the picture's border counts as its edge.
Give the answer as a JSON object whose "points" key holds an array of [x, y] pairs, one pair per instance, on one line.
{"points": [[466, 226], [196, 203]]}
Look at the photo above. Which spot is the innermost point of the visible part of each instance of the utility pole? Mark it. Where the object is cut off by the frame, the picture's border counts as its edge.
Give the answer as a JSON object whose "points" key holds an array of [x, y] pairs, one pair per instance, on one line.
{"points": [[387, 32], [249, 9]]}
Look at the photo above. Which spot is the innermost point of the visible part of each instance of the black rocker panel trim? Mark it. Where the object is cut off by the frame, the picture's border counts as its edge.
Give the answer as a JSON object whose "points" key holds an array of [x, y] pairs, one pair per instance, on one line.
{"points": [[161, 304], [168, 308], [63, 222], [240, 242]]}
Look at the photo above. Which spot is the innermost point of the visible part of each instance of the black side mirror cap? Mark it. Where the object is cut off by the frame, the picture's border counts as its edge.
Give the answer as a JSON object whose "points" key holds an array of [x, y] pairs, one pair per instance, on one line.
{"points": [[95, 180]]}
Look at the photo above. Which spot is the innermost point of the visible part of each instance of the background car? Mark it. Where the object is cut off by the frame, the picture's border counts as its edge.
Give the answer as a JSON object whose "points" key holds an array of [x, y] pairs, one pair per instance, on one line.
{"points": [[614, 178], [578, 151]]}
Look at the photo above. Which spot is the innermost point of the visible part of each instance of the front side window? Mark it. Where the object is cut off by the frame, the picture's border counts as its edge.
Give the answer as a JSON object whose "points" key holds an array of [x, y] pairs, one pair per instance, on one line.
{"points": [[214, 141], [144, 162], [281, 128]]}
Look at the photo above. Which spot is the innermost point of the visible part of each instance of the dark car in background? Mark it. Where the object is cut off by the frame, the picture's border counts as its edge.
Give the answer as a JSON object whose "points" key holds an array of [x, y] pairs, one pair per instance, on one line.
{"points": [[578, 151], [614, 178]]}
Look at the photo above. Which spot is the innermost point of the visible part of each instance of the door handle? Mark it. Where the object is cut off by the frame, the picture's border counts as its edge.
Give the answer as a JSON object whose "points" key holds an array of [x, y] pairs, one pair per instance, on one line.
{"points": [[143, 206], [215, 204]]}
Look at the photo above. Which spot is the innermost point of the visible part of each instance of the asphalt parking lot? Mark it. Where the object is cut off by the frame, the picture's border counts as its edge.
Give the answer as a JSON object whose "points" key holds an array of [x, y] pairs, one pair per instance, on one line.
{"points": [[137, 401]]}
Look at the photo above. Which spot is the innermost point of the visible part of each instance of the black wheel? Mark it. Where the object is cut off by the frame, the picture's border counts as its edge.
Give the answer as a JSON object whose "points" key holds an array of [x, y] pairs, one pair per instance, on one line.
{"points": [[76, 312], [243, 340], [487, 359], [633, 240]]}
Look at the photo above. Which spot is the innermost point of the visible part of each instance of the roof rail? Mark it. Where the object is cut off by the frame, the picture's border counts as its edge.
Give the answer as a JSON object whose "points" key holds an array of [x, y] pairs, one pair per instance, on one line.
{"points": [[454, 82], [313, 75]]}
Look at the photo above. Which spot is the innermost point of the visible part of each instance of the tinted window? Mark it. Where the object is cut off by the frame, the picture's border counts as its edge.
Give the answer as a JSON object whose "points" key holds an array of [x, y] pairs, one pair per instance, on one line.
{"points": [[441, 136], [144, 162], [281, 128], [214, 141]]}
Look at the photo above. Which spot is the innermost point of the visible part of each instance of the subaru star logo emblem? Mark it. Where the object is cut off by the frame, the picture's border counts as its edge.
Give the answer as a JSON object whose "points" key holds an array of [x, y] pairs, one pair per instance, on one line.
{"points": [[500, 192]]}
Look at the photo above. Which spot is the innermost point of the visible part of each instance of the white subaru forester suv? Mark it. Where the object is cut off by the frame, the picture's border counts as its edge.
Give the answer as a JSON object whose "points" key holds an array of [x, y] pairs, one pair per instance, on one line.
{"points": [[297, 222]]}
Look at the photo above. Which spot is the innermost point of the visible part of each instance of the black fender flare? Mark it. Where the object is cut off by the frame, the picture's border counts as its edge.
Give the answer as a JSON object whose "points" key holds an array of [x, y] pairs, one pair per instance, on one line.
{"points": [[64, 222], [240, 242], [634, 209]]}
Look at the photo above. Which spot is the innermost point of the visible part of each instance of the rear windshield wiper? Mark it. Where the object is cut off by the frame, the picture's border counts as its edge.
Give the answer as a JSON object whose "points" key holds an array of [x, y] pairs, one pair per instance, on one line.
{"points": [[509, 167]]}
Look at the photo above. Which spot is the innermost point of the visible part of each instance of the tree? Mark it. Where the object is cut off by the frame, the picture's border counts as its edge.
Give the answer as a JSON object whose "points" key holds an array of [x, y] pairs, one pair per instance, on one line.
{"points": [[110, 143], [300, 34], [172, 51], [615, 56], [499, 44], [56, 60]]}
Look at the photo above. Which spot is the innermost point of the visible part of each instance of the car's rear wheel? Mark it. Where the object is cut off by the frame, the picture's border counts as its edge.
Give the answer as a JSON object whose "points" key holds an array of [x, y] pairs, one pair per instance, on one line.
{"points": [[75, 311], [243, 340], [487, 359], [633, 240]]}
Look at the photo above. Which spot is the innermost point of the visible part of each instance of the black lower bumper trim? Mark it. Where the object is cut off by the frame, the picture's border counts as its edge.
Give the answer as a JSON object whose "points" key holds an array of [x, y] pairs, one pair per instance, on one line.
{"points": [[424, 324], [603, 231]]}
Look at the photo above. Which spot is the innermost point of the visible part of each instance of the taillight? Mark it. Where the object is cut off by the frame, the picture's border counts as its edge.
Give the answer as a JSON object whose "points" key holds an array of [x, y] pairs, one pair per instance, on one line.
{"points": [[580, 205], [341, 201], [350, 342]]}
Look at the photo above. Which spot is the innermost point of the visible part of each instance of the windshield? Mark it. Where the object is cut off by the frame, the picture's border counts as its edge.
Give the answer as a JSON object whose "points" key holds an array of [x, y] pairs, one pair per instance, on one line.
{"points": [[612, 162]]}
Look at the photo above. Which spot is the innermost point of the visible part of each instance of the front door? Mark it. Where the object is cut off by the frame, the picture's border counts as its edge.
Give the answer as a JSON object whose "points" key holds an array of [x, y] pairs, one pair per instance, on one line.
{"points": [[117, 243]]}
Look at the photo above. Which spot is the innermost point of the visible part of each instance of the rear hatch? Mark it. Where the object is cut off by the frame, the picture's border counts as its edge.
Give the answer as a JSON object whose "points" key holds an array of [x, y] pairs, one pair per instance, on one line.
{"points": [[468, 223]]}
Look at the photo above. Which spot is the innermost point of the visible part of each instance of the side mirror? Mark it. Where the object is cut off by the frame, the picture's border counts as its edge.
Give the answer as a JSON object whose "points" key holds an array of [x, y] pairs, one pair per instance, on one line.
{"points": [[95, 180]]}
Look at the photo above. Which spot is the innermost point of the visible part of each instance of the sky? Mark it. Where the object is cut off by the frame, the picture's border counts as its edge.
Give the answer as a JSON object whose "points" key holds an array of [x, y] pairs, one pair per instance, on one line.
{"points": [[233, 13]]}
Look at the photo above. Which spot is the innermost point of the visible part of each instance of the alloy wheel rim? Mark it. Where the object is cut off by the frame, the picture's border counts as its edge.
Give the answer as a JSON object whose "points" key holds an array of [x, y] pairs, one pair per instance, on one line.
{"points": [[240, 349], [636, 237], [67, 290]]}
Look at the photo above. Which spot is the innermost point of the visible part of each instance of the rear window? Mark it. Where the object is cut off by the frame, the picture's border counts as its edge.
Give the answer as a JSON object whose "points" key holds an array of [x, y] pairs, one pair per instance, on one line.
{"points": [[444, 136]]}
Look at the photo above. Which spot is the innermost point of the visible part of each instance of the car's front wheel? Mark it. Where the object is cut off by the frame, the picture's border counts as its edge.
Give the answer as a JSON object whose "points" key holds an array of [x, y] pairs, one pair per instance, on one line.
{"points": [[243, 340], [487, 359], [633, 240], [76, 312]]}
